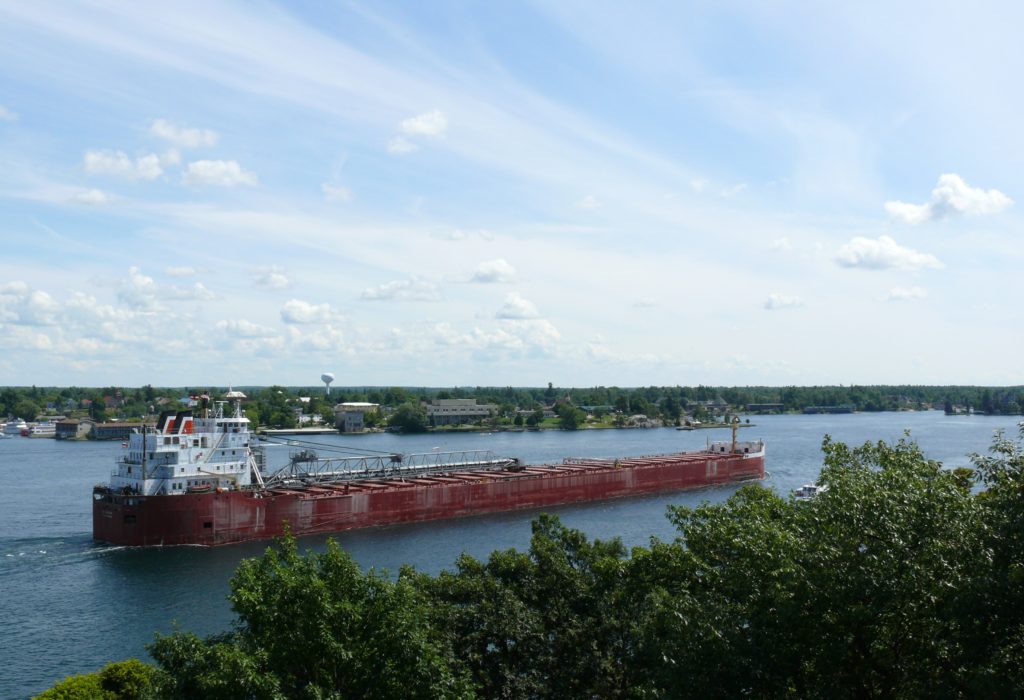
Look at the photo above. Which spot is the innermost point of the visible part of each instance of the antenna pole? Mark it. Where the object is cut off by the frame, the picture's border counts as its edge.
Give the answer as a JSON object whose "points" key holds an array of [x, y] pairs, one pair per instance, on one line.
{"points": [[144, 429]]}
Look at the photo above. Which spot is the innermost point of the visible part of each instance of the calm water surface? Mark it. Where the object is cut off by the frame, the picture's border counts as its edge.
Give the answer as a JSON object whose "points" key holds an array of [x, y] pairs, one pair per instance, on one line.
{"points": [[68, 605]]}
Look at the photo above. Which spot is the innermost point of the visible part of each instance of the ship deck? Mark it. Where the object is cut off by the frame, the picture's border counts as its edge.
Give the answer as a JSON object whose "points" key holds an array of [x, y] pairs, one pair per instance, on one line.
{"points": [[570, 466]]}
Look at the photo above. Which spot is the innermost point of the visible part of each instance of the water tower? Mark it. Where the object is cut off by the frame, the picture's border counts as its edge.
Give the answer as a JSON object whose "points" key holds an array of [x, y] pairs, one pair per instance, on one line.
{"points": [[327, 378]]}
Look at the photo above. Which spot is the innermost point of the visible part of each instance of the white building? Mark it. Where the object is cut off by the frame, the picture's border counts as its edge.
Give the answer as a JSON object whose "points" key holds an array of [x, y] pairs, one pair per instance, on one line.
{"points": [[458, 411], [349, 416]]}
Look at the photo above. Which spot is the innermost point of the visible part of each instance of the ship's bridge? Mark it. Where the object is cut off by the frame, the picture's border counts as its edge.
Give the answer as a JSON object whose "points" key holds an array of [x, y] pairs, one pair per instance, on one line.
{"points": [[187, 454]]}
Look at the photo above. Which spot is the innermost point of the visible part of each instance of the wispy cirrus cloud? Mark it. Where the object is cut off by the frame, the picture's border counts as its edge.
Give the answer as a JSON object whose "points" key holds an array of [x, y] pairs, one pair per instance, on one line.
{"points": [[179, 271], [335, 193], [92, 196], [403, 290], [906, 294], [399, 146]]}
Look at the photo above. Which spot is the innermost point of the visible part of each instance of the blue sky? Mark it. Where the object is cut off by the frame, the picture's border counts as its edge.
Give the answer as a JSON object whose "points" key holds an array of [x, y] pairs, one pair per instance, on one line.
{"points": [[510, 193]]}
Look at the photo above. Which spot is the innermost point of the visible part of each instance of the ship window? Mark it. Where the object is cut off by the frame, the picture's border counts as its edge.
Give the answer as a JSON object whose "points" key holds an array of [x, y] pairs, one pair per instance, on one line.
{"points": [[129, 470], [208, 524], [129, 520]]}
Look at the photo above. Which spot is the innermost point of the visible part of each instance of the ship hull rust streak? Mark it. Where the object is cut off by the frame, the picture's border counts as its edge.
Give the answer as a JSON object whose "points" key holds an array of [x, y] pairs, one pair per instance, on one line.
{"points": [[231, 516]]}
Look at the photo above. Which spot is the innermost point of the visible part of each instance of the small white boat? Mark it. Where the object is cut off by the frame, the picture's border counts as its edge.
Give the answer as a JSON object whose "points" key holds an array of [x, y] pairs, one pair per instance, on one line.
{"points": [[809, 491], [14, 427]]}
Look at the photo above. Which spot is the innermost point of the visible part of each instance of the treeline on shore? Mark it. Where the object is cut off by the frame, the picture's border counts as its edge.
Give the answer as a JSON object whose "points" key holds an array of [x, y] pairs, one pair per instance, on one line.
{"points": [[278, 406], [901, 580]]}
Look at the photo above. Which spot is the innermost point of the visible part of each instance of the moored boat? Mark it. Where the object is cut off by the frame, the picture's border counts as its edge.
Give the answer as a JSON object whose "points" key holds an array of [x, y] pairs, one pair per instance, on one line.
{"points": [[15, 426], [41, 430], [197, 480]]}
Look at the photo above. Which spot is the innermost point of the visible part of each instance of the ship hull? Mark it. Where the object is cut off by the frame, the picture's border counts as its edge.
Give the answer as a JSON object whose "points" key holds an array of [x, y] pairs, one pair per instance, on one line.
{"points": [[225, 517]]}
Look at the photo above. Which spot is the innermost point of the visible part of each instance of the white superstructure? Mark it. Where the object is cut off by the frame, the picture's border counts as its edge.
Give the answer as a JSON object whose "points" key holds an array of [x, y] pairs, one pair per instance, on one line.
{"points": [[15, 426], [42, 430], [186, 454]]}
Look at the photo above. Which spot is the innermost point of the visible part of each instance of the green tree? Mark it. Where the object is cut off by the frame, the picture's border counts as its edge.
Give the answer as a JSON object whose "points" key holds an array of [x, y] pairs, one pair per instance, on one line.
{"points": [[569, 417], [121, 680], [26, 409], [409, 418], [535, 418], [315, 626]]}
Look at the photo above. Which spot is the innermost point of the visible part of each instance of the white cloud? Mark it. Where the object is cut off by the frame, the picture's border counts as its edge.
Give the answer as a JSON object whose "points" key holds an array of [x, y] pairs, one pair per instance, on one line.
{"points": [[432, 123], [780, 244], [91, 197], [400, 146], [83, 307], [197, 292], [118, 163], [951, 197], [171, 157], [782, 301], [645, 303], [517, 308], [320, 337], [492, 271], [906, 293], [179, 271], [403, 290], [22, 305], [183, 136], [225, 173], [7, 115], [589, 202], [272, 278], [242, 328], [462, 235], [698, 184], [23, 338], [138, 291], [734, 190], [298, 311], [518, 336], [336, 193], [883, 253]]}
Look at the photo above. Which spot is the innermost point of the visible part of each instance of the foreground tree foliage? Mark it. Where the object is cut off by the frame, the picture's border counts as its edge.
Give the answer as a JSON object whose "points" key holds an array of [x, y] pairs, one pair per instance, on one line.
{"points": [[121, 680], [902, 580]]}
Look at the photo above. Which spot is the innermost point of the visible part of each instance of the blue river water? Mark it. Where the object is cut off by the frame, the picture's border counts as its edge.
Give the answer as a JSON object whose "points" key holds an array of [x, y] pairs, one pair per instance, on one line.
{"points": [[68, 605]]}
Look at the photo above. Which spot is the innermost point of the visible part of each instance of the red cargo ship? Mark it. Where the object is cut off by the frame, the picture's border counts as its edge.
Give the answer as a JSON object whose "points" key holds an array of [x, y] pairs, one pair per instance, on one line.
{"points": [[198, 481]]}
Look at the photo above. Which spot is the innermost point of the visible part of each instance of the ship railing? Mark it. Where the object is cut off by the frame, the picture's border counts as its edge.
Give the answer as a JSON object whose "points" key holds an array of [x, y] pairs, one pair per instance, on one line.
{"points": [[386, 466]]}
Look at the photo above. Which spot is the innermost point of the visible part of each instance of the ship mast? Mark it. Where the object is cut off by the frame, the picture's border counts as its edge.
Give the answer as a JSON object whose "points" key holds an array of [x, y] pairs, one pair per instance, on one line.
{"points": [[143, 489]]}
